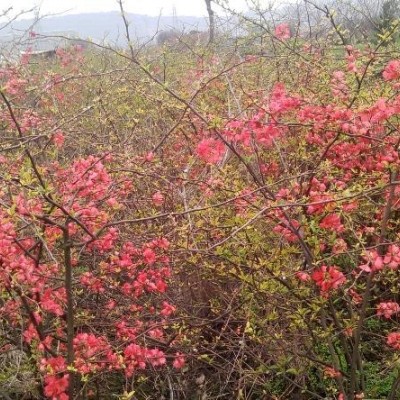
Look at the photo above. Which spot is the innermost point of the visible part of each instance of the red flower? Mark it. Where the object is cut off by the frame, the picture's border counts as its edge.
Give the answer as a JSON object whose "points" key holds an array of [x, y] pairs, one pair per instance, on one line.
{"points": [[53, 364], [158, 199], [149, 256], [55, 386], [168, 309], [393, 340], [210, 150], [332, 222], [328, 278], [49, 304]]}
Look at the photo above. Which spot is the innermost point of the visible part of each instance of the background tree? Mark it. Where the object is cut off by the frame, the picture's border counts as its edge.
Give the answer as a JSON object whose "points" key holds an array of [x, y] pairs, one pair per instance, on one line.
{"points": [[211, 20], [389, 14]]}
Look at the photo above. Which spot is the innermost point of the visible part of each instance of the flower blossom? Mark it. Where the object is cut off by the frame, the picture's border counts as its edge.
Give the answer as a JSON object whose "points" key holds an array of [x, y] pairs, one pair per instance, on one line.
{"points": [[393, 340], [58, 139], [302, 276], [282, 31], [331, 372], [332, 222], [328, 278], [392, 70], [387, 309], [210, 150], [55, 387], [158, 199], [179, 361]]}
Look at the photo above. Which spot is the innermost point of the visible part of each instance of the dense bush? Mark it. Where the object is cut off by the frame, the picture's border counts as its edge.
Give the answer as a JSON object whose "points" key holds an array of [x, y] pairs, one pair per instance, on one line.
{"points": [[229, 231]]}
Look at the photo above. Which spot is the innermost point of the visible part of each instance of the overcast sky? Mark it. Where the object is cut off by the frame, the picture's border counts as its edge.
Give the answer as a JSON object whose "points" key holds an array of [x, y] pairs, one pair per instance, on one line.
{"points": [[149, 7]]}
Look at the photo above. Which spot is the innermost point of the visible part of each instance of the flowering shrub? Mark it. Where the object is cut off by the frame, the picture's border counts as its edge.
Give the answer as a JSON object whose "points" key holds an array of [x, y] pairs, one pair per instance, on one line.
{"points": [[78, 227], [86, 295], [274, 222], [318, 223]]}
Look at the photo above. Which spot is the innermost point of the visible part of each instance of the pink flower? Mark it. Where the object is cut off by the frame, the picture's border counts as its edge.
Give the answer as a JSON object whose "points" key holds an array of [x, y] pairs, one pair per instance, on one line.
{"points": [[303, 276], [281, 102], [387, 309], [54, 386], [167, 310], [282, 31], [149, 156], [392, 257], [58, 139], [149, 256], [163, 243], [155, 357], [53, 364], [30, 334], [210, 150], [393, 340], [339, 85], [49, 304], [134, 358], [112, 202], [339, 247], [286, 230], [158, 199], [355, 297], [374, 262], [392, 70], [179, 361], [331, 372]]}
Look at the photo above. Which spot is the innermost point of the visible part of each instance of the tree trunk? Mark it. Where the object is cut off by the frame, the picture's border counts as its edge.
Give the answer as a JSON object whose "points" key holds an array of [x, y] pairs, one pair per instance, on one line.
{"points": [[211, 18]]}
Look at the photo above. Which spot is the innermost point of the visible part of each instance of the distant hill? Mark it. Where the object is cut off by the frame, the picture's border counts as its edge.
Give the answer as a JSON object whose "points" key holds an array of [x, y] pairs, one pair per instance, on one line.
{"points": [[107, 26]]}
